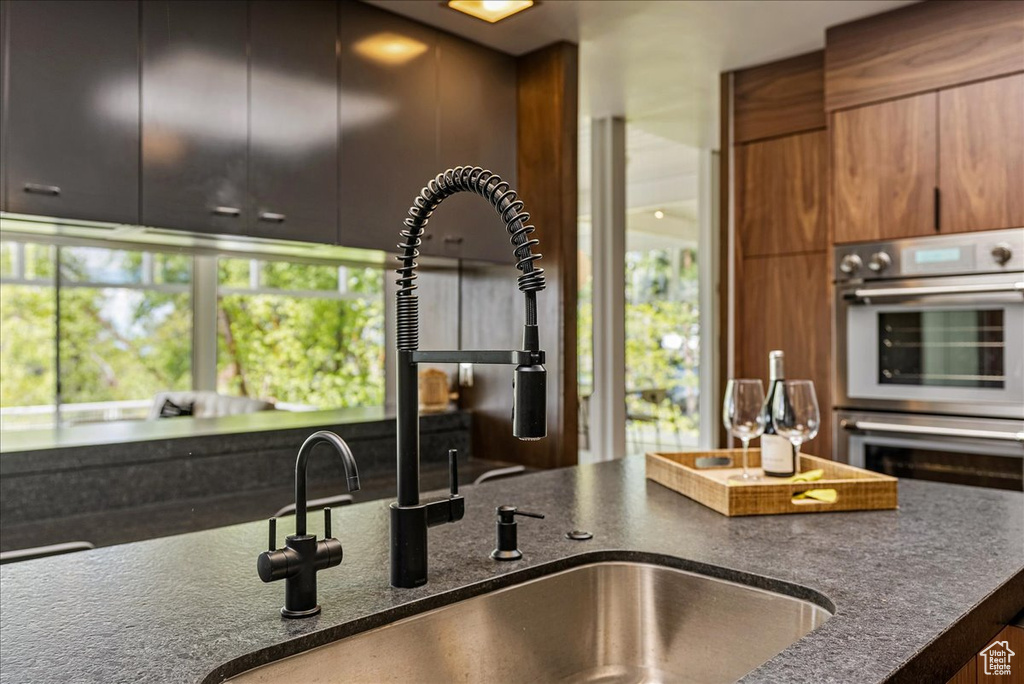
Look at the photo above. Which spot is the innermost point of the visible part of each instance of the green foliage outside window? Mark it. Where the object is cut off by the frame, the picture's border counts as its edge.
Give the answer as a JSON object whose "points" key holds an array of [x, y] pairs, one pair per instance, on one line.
{"points": [[319, 352], [126, 329]]}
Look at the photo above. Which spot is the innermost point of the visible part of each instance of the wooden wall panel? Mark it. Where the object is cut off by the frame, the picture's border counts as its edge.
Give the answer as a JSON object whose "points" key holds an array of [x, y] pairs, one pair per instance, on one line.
{"points": [[780, 98], [781, 188], [783, 303], [921, 47], [492, 306], [981, 155], [884, 170]]}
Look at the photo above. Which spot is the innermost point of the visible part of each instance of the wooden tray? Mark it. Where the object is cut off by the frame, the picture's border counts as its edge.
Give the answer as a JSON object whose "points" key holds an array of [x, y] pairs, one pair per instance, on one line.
{"points": [[856, 489]]}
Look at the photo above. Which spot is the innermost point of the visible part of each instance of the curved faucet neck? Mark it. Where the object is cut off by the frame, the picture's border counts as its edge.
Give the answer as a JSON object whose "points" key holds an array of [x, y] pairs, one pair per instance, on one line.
{"points": [[347, 459]]}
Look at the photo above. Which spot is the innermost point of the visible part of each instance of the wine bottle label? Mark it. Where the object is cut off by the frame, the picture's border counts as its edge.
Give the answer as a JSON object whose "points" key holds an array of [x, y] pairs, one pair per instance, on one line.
{"points": [[776, 455]]}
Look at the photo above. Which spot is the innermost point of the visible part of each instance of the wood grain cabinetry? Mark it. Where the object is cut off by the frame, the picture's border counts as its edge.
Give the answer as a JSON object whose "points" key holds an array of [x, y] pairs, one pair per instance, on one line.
{"points": [[973, 672], [781, 186], [981, 155], [779, 98], [922, 47], [884, 170], [783, 303]]}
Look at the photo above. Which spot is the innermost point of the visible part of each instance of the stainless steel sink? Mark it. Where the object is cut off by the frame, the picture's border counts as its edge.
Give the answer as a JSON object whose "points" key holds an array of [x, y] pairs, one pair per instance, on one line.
{"points": [[604, 622]]}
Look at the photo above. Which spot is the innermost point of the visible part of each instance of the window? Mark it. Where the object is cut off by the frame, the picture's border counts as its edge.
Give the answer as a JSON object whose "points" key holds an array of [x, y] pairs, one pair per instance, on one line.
{"points": [[303, 336], [28, 335], [125, 331], [119, 330]]}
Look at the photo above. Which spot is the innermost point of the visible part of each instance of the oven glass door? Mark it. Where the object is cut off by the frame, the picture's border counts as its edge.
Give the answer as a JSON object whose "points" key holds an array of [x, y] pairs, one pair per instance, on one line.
{"points": [[936, 349], [985, 463]]}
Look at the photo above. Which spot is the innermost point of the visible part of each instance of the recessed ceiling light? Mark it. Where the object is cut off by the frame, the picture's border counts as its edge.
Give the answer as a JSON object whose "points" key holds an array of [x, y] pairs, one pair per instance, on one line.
{"points": [[659, 214], [491, 11]]}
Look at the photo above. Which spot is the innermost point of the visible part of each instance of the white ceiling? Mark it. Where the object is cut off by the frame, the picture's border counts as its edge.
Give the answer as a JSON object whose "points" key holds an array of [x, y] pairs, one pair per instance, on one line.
{"points": [[656, 62]]}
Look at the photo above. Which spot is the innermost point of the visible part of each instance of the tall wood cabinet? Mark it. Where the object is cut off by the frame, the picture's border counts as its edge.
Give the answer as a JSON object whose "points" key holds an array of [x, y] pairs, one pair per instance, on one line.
{"points": [[71, 109], [781, 218], [781, 185], [784, 304]]}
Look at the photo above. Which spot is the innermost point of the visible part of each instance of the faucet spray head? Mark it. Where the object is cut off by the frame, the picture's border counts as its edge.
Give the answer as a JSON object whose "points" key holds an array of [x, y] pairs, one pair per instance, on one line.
{"points": [[529, 403]]}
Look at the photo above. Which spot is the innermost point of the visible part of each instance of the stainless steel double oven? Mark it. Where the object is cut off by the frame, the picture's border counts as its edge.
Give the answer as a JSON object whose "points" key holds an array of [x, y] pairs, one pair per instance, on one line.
{"points": [[929, 350]]}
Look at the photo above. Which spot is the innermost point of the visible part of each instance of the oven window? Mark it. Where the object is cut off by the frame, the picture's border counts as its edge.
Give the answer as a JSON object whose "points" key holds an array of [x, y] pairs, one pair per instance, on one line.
{"points": [[954, 348], [978, 470]]}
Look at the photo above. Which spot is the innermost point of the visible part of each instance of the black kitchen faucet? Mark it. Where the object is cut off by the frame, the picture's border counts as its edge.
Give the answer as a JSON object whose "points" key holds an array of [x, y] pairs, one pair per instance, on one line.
{"points": [[409, 518], [303, 556]]}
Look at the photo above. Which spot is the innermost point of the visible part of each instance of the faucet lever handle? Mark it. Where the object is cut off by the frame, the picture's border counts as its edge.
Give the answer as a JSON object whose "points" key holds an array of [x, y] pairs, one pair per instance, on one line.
{"points": [[272, 546], [453, 471], [327, 522], [528, 514]]}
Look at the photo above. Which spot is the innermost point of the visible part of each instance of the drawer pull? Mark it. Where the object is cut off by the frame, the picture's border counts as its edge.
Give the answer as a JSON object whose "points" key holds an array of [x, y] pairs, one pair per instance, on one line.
{"points": [[271, 217], [454, 239], [37, 189], [226, 211]]}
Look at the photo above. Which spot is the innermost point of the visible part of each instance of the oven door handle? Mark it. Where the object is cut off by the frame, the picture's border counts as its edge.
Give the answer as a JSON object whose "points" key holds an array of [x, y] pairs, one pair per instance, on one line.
{"points": [[934, 431], [933, 291]]}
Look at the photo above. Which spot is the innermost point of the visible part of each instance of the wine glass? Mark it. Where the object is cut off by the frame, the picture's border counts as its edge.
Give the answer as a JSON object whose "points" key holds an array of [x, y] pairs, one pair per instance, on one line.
{"points": [[743, 417], [795, 413]]}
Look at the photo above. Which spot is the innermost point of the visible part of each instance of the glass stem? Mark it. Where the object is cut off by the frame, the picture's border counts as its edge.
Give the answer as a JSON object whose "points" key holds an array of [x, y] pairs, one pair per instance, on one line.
{"points": [[796, 455], [746, 443]]}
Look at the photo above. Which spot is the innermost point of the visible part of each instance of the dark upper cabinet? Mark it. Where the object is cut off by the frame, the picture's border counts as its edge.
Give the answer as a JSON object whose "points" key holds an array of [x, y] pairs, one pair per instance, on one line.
{"points": [[477, 104], [388, 123], [71, 109], [293, 119], [195, 88]]}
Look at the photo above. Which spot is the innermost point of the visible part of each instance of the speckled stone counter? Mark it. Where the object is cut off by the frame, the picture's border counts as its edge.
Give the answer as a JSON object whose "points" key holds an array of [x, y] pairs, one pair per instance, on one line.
{"points": [[915, 591]]}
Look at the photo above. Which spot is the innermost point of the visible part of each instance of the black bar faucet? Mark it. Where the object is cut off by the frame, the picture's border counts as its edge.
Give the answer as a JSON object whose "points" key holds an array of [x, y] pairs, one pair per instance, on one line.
{"points": [[409, 518], [303, 556]]}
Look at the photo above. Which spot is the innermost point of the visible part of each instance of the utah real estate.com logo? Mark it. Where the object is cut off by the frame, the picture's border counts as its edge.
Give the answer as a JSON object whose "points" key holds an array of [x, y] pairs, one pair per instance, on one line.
{"points": [[997, 658]]}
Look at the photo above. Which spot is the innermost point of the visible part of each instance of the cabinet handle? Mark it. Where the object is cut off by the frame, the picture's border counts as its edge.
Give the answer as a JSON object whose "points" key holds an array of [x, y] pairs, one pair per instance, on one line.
{"points": [[454, 239], [226, 211], [37, 189], [271, 217]]}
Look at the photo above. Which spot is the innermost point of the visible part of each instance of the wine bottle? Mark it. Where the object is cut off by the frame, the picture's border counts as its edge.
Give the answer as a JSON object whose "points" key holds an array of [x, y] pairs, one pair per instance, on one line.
{"points": [[777, 453]]}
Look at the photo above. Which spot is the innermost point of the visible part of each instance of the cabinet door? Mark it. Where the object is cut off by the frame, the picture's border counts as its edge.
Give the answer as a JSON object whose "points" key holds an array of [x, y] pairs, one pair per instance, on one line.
{"points": [[477, 101], [884, 170], [388, 123], [981, 155], [72, 109], [293, 118], [784, 304], [195, 128], [780, 194]]}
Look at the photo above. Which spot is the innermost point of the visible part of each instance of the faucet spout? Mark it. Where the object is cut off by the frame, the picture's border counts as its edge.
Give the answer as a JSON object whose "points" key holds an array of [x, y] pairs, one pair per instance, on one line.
{"points": [[347, 459], [410, 518]]}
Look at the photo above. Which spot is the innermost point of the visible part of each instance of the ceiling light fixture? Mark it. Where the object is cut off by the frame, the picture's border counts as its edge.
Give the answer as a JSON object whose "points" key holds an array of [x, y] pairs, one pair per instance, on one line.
{"points": [[491, 11], [659, 214]]}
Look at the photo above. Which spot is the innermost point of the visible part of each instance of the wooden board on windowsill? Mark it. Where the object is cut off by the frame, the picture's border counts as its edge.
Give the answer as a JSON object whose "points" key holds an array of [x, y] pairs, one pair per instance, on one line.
{"points": [[856, 489]]}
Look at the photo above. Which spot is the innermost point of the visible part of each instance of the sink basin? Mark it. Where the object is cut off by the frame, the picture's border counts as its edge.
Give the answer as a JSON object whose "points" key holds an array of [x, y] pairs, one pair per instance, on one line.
{"points": [[603, 622]]}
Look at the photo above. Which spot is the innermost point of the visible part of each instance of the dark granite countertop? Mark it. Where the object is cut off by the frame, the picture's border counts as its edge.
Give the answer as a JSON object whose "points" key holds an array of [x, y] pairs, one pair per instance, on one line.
{"points": [[916, 591], [134, 431]]}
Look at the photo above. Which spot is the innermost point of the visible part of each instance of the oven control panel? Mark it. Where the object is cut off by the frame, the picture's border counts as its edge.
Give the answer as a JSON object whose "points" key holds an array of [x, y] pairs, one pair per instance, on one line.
{"points": [[996, 251]]}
